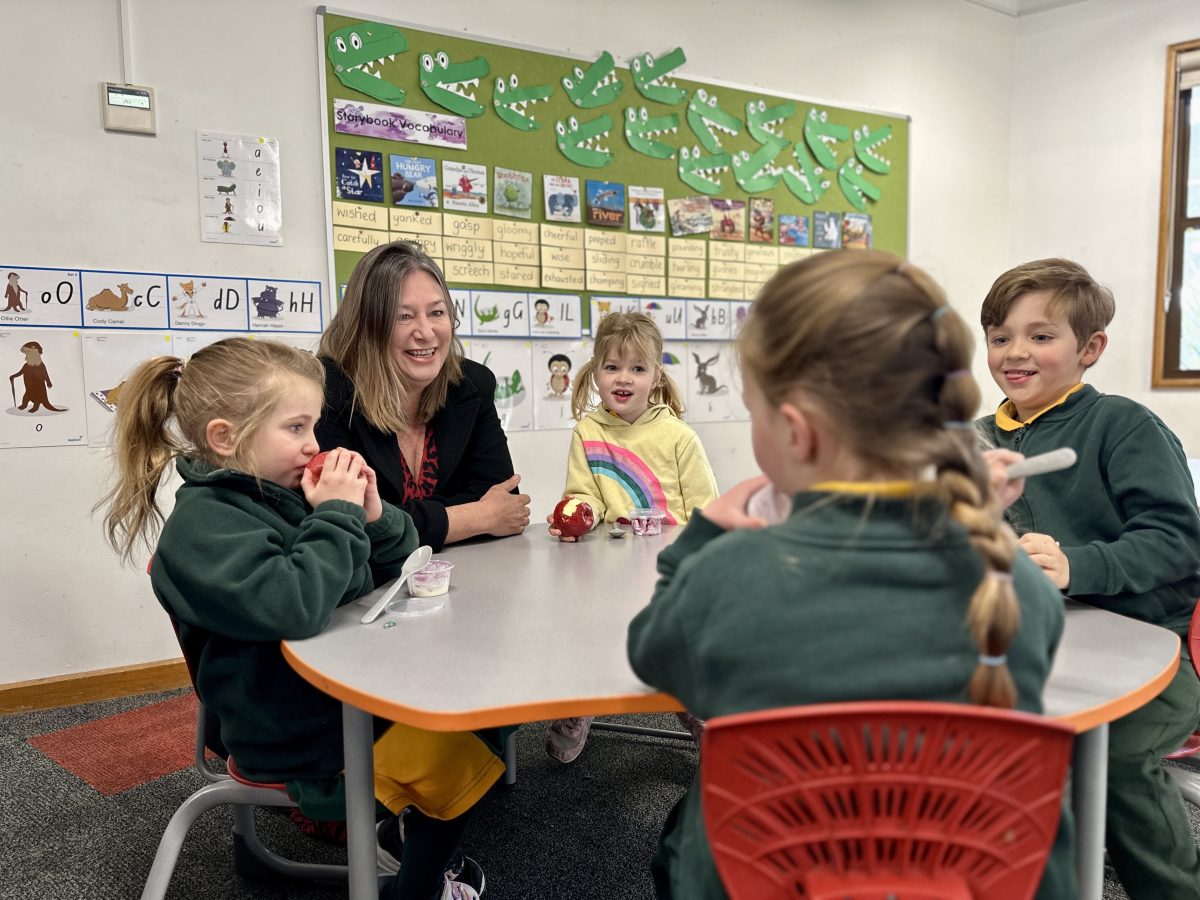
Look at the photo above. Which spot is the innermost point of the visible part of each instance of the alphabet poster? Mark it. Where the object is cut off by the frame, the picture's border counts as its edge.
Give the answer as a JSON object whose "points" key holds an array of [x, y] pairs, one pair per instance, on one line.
{"points": [[40, 297], [279, 305], [240, 193], [43, 406], [510, 362], [710, 388], [208, 304], [107, 361], [125, 300], [555, 368]]}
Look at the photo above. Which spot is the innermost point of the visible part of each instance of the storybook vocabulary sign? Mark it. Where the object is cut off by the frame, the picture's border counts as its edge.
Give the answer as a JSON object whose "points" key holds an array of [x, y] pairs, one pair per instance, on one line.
{"points": [[534, 171]]}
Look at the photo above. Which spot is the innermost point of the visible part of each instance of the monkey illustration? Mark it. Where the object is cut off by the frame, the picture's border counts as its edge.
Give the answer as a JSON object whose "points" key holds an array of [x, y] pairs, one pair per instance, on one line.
{"points": [[36, 379], [560, 368], [12, 294]]}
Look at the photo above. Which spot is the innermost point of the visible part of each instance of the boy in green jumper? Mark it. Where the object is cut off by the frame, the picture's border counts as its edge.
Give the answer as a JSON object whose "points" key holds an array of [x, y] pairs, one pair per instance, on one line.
{"points": [[1118, 530]]}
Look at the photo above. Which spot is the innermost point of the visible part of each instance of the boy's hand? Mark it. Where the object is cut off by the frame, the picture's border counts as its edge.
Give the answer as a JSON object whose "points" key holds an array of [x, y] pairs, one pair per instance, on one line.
{"points": [[1004, 489], [729, 510], [341, 479], [1044, 551]]}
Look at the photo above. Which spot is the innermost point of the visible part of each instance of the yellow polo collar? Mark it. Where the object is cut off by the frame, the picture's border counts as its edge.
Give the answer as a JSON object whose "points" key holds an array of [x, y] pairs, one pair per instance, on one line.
{"points": [[1006, 415]]}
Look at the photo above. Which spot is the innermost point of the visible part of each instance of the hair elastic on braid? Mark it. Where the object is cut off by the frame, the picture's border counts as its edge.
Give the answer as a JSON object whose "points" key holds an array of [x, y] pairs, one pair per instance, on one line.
{"points": [[957, 373], [938, 312], [985, 660], [955, 423], [1001, 576]]}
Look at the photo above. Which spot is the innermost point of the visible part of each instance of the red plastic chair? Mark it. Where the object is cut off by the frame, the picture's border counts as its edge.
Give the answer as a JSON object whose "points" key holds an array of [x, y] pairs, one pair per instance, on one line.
{"points": [[1192, 745], [898, 800]]}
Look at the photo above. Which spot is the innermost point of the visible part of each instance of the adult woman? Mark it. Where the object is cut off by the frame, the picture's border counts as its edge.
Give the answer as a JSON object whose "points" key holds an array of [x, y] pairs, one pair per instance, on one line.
{"points": [[399, 390]]}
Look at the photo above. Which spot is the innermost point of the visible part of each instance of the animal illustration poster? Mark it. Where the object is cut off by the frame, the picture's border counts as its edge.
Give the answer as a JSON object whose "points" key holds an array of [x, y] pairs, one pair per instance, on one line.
{"points": [[555, 364], [502, 313], [414, 181], [514, 193], [44, 403], [511, 363], [555, 315], [647, 209], [359, 174], [738, 310], [464, 187], [241, 195], [107, 361], [125, 300], [278, 305], [669, 315], [602, 306], [45, 297], [204, 303], [710, 385], [676, 363], [562, 198], [708, 320]]}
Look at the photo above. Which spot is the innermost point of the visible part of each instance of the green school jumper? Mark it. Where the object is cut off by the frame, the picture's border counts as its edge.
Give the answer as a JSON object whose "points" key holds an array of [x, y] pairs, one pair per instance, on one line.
{"points": [[1125, 516], [242, 565], [849, 599]]}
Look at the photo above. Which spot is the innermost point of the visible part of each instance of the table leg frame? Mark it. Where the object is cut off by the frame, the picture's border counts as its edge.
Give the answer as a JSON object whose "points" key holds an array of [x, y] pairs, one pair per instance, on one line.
{"points": [[1089, 784], [360, 803]]}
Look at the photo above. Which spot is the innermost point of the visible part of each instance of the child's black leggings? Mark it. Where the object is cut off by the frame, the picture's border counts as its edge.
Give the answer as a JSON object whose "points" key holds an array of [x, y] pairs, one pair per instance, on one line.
{"points": [[430, 846]]}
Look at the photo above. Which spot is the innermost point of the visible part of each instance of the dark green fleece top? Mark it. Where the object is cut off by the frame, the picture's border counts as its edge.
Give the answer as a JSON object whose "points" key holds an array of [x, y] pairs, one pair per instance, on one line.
{"points": [[1125, 514], [844, 601], [242, 565]]}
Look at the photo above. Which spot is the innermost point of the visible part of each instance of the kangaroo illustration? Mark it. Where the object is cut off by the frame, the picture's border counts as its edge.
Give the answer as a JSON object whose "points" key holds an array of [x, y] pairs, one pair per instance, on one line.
{"points": [[708, 384], [702, 321], [106, 299]]}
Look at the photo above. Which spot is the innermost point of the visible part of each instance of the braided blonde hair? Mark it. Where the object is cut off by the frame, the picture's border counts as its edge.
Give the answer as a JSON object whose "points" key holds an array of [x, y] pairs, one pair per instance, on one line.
{"points": [[860, 333]]}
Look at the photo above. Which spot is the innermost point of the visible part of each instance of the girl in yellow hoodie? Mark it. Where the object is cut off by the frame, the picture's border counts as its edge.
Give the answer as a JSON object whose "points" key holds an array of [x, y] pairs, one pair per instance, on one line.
{"points": [[630, 451]]}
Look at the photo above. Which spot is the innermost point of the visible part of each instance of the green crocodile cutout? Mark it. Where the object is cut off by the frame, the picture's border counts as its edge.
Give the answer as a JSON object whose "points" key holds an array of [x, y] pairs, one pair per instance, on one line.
{"points": [[805, 182], [819, 133], [854, 187], [756, 172], [510, 100], [575, 141], [355, 49], [704, 115], [448, 84], [762, 121], [699, 172], [491, 314], [595, 87], [866, 148], [642, 131], [649, 76]]}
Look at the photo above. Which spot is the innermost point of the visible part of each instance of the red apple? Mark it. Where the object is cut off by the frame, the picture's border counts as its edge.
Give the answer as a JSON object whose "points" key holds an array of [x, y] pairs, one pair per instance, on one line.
{"points": [[573, 518], [316, 465]]}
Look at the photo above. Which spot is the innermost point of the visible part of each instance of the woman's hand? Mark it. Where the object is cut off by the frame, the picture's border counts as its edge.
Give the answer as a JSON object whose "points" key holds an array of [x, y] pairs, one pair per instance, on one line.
{"points": [[729, 510], [504, 513], [1005, 490], [341, 479]]}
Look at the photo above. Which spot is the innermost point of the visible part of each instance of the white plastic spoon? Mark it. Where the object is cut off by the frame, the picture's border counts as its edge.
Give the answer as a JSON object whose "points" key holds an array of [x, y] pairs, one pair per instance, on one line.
{"points": [[417, 560], [1062, 458]]}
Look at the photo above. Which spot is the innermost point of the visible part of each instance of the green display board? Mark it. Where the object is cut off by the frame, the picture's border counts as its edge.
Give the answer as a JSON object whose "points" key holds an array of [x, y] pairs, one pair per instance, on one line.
{"points": [[420, 125]]}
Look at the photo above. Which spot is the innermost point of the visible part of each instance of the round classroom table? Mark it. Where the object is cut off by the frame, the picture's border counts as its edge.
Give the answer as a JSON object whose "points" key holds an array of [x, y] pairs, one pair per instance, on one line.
{"points": [[541, 628]]}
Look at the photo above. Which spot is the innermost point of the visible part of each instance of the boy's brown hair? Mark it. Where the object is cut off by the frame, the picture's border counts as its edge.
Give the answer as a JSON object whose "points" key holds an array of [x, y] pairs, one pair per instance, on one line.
{"points": [[1088, 306]]}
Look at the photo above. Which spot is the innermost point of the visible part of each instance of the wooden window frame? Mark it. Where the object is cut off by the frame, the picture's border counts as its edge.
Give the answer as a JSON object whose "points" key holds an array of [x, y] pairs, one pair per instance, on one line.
{"points": [[1173, 222]]}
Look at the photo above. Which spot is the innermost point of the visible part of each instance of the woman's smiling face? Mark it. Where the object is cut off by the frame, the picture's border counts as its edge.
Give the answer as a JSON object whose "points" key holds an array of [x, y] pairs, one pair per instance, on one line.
{"points": [[423, 330]]}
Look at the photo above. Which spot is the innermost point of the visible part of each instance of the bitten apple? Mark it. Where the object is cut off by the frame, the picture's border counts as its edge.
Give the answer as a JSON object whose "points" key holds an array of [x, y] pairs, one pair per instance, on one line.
{"points": [[573, 518], [316, 465]]}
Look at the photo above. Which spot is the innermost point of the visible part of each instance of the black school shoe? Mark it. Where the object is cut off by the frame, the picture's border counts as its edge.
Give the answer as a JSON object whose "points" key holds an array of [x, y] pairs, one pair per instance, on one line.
{"points": [[463, 871]]}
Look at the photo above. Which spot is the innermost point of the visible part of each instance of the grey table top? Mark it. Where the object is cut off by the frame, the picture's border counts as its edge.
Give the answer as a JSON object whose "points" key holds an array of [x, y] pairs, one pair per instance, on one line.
{"points": [[534, 629]]}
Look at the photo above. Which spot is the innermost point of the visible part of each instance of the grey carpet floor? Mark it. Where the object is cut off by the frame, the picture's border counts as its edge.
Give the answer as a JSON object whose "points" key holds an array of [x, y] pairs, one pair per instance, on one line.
{"points": [[584, 831]]}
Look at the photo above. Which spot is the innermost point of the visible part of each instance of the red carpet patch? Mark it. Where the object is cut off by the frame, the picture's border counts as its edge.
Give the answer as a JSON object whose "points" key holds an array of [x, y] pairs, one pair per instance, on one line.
{"points": [[131, 748]]}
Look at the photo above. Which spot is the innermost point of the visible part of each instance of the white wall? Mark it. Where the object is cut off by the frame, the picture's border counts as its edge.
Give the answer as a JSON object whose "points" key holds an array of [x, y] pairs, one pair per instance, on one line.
{"points": [[74, 195], [1087, 165]]}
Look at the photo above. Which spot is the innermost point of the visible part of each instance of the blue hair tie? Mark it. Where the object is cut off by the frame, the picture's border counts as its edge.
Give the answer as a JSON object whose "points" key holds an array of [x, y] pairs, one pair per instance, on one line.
{"points": [[985, 660], [952, 423], [939, 312]]}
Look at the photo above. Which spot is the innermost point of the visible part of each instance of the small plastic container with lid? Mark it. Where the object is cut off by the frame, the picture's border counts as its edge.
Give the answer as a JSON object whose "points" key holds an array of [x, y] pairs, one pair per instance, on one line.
{"points": [[647, 520]]}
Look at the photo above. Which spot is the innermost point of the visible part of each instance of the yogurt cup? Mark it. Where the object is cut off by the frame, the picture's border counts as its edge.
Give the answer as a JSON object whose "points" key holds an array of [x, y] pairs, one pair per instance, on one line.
{"points": [[647, 520], [432, 580]]}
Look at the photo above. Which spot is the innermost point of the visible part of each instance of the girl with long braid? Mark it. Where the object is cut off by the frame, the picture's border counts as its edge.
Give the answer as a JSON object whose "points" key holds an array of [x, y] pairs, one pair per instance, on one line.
{"points": [[893, 578]]}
